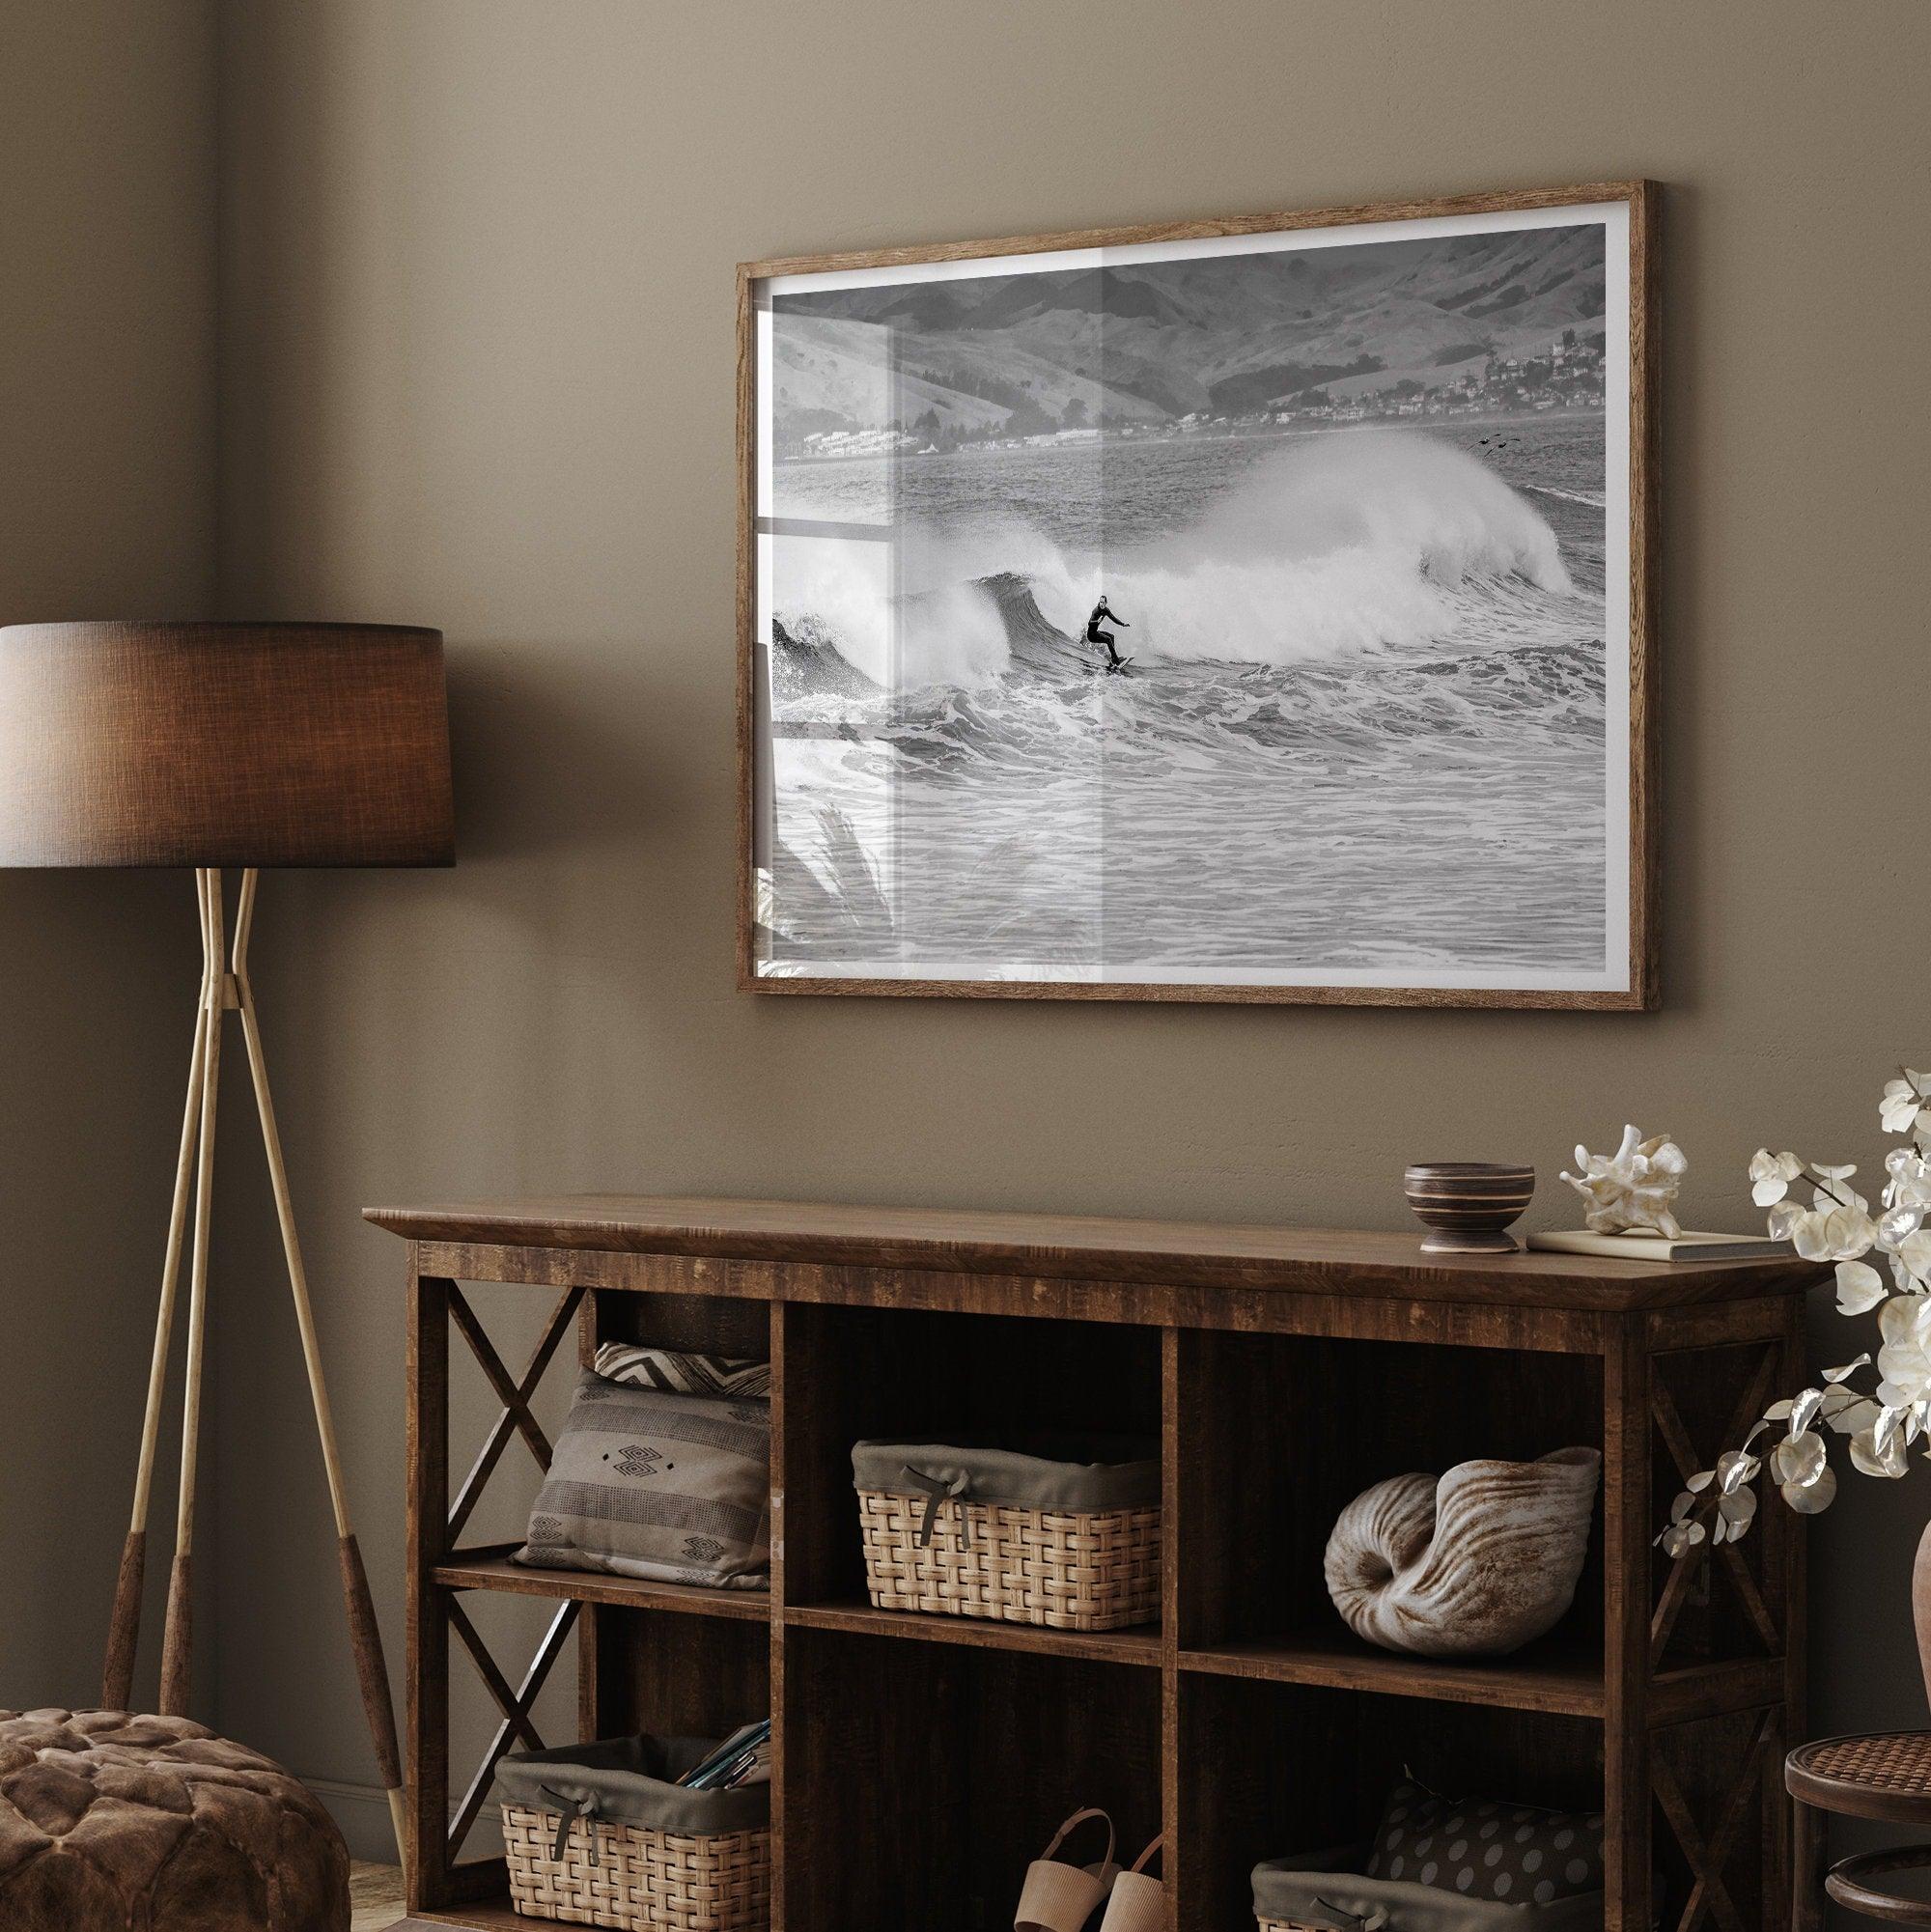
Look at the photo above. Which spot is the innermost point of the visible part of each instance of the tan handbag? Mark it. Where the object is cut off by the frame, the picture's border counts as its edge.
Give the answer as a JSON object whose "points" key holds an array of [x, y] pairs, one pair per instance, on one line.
{"points": [[1061, 1897]]}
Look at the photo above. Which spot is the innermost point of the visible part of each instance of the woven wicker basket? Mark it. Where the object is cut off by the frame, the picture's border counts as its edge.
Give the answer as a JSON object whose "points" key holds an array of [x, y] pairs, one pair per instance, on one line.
{"points": [[641, 1881], [1065, 1570], [1287, 1925]]}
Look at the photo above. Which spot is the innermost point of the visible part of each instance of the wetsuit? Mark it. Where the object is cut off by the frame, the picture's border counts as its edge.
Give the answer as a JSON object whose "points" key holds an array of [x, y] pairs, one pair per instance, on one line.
{"points": [[1095, 634]]}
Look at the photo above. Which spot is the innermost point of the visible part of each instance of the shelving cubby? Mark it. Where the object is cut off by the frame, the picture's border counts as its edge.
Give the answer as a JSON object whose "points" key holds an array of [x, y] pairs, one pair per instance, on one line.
{"points": [[850, 1373], [1278, 1433], [922, 1762], [1306, 1768], [943, 1769]]}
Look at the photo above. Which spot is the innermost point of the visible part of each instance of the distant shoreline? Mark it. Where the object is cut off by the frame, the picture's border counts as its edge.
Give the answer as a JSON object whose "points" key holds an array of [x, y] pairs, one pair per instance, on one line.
{"points": [[1248, 433]]}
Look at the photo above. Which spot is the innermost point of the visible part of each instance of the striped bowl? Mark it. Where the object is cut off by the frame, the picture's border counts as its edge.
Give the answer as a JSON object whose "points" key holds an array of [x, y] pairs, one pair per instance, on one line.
{"points": [[1467, 1206]]}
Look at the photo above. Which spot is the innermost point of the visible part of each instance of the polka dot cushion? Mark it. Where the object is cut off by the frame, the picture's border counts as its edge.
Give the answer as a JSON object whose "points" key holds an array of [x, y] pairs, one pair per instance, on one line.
{"points": [[1486, 1849]]}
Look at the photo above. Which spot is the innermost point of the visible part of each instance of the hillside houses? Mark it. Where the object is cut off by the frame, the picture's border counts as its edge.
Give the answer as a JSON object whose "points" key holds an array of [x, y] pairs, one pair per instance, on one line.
{"points": [[1566, 373]]}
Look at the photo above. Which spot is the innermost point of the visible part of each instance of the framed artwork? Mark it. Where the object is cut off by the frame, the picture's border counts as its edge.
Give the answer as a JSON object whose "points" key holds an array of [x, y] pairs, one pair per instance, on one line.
{"points": [[1257, 609]]}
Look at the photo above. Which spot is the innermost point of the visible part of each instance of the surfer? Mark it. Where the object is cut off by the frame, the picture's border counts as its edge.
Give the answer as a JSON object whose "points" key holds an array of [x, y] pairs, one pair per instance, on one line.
{"points": [[1097, 633]]}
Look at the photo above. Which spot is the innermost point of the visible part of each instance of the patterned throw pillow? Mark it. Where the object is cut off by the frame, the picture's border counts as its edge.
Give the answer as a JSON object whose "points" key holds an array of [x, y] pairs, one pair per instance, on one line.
{"points": [[684, 1374], [667, 1488], [1487, 1849]]}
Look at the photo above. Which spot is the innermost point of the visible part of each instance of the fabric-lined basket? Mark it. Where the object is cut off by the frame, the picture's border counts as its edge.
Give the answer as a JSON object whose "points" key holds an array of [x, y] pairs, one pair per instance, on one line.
{"points": [[1059, 1531], [1327, 1891], [602, 1835]]}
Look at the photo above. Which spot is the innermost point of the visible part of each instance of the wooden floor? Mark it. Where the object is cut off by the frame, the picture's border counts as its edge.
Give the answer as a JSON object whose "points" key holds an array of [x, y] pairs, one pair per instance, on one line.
{"points": [[374, 1897]]}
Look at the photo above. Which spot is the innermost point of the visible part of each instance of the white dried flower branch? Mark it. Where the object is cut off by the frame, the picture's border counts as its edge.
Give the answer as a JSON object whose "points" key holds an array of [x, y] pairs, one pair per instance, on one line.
{"points": [[1883, 1423]]}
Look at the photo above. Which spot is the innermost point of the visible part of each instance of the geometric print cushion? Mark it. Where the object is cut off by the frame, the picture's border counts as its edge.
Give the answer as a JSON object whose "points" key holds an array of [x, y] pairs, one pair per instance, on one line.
{"points": [[1491, 1850], [668, 1488], [681, 1373]]}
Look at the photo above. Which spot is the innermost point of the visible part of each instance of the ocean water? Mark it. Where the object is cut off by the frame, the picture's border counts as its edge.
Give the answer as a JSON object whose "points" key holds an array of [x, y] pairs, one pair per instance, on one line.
{"points": [[1363, 735]]}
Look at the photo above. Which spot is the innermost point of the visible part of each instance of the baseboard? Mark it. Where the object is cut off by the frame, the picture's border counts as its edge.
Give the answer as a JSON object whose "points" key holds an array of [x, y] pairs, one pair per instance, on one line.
{"points": [[362, 1812]]}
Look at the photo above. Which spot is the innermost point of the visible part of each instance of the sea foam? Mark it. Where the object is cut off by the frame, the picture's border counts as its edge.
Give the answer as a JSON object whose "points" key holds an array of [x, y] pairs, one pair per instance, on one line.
{"points": [[1336, 544]]}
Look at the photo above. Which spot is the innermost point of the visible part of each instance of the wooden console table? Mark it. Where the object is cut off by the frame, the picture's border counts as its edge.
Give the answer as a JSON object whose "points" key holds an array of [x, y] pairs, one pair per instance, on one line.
{"points": [[921, 1761]]}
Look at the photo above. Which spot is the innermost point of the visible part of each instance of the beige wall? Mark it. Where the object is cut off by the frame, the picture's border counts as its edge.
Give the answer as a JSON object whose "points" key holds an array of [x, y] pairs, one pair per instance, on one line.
{"points": [[477, 371], [106, 506]]}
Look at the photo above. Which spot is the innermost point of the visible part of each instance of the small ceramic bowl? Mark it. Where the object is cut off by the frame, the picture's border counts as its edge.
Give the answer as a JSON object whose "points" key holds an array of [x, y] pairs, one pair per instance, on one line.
{"points": [[1467, 1206]]}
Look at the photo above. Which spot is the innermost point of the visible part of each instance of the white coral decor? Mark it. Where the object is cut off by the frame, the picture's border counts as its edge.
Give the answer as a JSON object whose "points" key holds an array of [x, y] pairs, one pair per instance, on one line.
{"points": [[1882, 1424], [1632, 1188]]}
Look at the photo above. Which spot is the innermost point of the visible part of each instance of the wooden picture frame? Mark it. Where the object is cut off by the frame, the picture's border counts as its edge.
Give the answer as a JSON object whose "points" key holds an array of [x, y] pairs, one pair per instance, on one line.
{"points": [[1629, 978]]}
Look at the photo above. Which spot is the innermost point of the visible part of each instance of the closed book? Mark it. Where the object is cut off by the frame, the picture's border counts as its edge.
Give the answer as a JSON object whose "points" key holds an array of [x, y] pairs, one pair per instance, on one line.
{"points": [[1686, 1246]]}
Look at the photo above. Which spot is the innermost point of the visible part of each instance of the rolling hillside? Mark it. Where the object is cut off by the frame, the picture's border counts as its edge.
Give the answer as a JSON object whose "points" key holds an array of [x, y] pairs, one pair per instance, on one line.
{"points": [[865, 375], [1150, 342]]}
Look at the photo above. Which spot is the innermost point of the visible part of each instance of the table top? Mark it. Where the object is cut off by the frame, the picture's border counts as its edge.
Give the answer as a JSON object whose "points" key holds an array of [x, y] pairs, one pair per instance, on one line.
{"points": [[1204, 1254]]}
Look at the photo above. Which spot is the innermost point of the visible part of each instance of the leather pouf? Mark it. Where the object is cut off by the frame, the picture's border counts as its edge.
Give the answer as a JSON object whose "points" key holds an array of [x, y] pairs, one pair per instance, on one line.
{"points": [[112, 1823]]}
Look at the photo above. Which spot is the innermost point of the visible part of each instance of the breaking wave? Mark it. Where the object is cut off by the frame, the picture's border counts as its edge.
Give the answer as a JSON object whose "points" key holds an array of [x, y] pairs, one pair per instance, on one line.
{"points": [[1338, 544], [1345, 599]]}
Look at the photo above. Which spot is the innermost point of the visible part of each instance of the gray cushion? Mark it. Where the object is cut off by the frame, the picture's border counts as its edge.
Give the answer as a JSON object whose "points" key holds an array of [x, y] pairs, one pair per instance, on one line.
{"points": [[1486, 1849], [666, 1488]]}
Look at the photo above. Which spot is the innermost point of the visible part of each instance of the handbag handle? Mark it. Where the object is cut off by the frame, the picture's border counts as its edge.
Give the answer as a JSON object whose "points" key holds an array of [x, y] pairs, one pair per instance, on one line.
{"points": [[1141, 1862], [1079, 1818]]}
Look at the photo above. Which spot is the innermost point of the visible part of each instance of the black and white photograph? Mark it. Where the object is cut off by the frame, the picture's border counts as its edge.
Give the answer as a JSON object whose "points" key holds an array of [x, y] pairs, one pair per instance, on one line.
{"points": [[1247, 612]]}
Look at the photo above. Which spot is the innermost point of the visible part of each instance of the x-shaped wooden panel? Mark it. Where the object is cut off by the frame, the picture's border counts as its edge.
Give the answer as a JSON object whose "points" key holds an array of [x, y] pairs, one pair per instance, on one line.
{"points": [[1683, 1571], [1707, 1857], [517, 1418], [515, 1705]]}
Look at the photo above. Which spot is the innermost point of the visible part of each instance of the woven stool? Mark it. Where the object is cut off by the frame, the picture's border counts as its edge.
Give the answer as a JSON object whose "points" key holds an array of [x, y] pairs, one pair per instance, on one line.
{"points": [[1885, 1776]]}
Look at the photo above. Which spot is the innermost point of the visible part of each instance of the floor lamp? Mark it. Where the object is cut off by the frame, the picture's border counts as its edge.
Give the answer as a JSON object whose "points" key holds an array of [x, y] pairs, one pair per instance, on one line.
{"points": [[210, 745]]}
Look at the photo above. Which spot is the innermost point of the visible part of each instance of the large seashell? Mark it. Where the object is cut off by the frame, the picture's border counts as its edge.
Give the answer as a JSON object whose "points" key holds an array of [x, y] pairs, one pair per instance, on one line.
{"points": [[1480, 1562]]}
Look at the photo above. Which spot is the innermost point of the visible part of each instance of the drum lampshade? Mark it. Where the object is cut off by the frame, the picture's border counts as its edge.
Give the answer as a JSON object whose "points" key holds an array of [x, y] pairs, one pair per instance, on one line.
{"points": [[216, 745]]}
